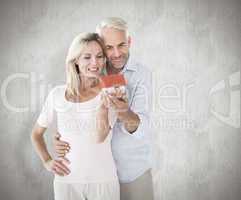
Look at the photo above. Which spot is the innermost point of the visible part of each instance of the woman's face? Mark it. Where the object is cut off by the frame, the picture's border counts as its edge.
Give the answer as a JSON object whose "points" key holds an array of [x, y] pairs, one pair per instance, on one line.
{"points": [[91, 60]]}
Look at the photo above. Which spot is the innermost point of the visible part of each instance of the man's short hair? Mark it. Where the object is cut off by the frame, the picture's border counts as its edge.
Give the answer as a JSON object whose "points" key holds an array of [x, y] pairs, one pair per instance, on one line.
{"points": [[112, 22]]}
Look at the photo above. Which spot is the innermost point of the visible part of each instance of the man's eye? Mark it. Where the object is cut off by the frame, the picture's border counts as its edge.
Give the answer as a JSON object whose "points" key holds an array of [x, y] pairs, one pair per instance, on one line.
{"points": [[108, 47], [86, 58], [100, 56], [122, 45]]}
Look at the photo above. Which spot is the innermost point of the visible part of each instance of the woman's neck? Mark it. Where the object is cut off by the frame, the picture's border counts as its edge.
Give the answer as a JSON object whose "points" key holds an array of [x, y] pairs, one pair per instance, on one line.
{"points": [[88, 89], [88, 83]]}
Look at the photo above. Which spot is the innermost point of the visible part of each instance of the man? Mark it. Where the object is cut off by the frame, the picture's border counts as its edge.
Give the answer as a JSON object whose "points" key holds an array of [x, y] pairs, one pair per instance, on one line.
{"points": [[131, 142]]}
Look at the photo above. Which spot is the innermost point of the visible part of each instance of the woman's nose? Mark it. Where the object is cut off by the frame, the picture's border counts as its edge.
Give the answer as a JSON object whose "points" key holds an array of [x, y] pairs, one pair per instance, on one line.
{"points": [[93, 61]]}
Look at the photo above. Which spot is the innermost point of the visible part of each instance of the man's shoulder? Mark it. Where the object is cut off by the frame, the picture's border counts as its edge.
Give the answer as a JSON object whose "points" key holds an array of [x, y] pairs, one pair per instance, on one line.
{"points": [[139, 67]]}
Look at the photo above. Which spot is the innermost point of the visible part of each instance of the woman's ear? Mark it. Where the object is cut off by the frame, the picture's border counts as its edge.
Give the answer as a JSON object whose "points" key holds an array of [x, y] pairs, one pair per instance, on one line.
{"points": [[77, 68]]}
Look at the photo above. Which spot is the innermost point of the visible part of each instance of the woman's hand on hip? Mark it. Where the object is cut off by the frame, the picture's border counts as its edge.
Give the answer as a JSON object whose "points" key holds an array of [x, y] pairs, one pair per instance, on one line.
{"points": [[57, 166]]}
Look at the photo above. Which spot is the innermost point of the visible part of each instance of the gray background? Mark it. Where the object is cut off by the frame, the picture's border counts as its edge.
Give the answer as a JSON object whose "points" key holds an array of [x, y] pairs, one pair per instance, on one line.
{"points": [[192, 47]]}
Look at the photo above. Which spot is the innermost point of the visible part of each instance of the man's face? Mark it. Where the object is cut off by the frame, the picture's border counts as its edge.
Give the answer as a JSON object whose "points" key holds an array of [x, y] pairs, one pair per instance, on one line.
{"points": [[117, 46]]}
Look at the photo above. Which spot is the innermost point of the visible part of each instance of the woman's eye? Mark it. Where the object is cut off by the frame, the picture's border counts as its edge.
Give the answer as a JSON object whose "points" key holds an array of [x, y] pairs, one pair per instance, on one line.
{"points": [[108, 47], [86, 58]]}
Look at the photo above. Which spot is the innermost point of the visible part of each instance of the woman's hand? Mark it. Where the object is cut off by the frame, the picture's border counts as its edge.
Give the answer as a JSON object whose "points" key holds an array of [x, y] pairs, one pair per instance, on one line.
{"points": [[104, 101], [57, 166]]}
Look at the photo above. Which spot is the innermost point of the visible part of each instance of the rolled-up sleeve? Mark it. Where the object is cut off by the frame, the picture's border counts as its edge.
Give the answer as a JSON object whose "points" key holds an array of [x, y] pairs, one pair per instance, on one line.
{"points": [[141, 104]]}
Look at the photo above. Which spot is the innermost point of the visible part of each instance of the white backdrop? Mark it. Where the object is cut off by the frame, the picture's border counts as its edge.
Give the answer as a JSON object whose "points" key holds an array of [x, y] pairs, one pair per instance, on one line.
{"points": [[192, 47]]}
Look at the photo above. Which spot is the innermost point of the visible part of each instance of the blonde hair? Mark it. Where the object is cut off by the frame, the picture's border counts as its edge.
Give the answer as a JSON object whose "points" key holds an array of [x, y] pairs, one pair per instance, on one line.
{"points": [[113, 22], [72, 71]]}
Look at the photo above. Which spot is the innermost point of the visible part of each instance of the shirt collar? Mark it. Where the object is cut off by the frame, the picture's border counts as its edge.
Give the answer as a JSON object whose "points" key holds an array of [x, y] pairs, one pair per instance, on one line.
{"points": [[130, 65]]}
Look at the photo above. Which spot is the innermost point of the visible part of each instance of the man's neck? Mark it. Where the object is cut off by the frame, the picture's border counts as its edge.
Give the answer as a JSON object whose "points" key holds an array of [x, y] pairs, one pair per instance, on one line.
{"points": [[112, 70]]}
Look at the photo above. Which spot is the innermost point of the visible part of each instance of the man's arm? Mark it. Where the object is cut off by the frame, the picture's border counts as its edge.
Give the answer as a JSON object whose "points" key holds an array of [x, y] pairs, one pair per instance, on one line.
{"points": [[129, 118], [136, 118], [141, 103]]}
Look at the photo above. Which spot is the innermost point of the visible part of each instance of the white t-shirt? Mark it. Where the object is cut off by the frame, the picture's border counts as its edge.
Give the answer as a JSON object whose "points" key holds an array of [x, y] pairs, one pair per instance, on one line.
{"points": [[90, 162]]}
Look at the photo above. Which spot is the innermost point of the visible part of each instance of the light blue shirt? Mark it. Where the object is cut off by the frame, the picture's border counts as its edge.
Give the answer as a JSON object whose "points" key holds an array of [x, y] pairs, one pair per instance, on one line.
{"points": [[132, 152]]}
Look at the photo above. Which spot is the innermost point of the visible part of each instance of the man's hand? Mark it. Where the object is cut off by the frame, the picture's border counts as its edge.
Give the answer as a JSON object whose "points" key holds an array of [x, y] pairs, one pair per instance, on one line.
{"points": [[118, 100], [57, 166], [61, 147]]}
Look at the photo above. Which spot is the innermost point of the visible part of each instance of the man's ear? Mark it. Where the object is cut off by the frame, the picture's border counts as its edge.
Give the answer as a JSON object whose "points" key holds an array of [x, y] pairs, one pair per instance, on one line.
{"points": [[129, 41]]}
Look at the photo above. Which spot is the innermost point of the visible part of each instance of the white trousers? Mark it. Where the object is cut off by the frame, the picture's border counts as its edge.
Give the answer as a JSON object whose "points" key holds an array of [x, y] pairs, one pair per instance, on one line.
{"points": [[90, 191]]}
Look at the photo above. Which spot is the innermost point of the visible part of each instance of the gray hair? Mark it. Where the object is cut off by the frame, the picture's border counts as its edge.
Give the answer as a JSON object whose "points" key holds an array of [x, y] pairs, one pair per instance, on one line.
{"points": [[113, 22]]}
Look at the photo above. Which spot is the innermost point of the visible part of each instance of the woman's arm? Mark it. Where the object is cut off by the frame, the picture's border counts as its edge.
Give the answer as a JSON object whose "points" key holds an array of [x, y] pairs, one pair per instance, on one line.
{"points": [[53, 165], [102, 121], [102, 124]]}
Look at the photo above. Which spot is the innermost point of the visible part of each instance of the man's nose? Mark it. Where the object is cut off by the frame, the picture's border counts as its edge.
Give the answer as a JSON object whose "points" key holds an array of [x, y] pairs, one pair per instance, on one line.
{"points": [[117, 52]]}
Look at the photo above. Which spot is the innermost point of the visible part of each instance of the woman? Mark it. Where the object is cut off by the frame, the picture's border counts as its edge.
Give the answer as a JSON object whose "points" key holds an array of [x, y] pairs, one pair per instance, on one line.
{"points": [[81, 114]]}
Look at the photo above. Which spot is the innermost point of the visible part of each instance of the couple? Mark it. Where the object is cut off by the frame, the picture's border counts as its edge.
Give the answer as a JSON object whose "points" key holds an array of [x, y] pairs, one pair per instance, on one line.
{"points": [[101, 156]]}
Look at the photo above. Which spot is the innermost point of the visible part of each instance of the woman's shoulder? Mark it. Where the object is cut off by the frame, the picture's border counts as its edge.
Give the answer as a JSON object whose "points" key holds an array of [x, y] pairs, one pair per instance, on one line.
{"points": [[57, 91]]}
